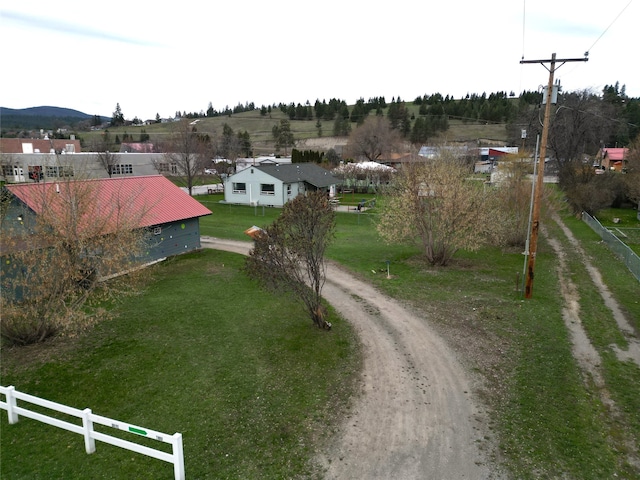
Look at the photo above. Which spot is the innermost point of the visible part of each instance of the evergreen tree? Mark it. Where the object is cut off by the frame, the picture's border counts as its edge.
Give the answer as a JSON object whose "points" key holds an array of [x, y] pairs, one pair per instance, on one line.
{"points": [[118, 118]]}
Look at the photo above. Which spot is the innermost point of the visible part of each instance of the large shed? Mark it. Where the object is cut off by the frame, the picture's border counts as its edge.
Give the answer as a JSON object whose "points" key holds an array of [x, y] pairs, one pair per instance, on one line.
{"points": [[170, 216]]}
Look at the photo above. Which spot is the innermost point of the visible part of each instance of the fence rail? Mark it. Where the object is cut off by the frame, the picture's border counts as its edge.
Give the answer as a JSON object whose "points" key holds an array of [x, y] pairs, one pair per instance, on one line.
{"points": [[86, 429], [617, 246]]}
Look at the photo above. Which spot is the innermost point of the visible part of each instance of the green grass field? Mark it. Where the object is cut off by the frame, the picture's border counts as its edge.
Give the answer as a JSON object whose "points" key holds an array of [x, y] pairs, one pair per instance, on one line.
{"points": [[256, 392]]}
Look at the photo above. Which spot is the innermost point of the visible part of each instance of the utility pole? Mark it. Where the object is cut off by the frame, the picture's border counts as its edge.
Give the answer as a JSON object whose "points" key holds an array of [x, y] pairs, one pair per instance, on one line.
{"points": [[535, 224]]}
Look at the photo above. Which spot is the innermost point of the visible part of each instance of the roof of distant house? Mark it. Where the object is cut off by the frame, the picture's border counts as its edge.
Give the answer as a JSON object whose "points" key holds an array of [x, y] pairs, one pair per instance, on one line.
{"points": [[39, 145], [137, 147], [151, 200], [614, 154], [300, 172]]}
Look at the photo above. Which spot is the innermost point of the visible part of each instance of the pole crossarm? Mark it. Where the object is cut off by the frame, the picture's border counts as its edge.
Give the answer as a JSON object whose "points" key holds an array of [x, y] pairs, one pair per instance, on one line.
{"points": [[557, 60]]}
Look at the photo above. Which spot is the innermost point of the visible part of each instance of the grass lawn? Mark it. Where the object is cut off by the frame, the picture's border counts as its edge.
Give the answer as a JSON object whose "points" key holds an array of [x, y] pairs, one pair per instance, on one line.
{"points": [[247, 380], [624, 224], [270, 384]]}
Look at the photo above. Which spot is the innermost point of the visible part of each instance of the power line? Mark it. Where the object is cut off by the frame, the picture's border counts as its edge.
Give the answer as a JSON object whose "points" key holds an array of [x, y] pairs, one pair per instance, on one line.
{"points": [[606, 29]]}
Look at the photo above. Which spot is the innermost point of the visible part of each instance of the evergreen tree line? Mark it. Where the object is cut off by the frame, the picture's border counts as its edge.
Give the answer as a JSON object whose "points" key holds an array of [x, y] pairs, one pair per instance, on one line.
{"points": [[305, 156]]}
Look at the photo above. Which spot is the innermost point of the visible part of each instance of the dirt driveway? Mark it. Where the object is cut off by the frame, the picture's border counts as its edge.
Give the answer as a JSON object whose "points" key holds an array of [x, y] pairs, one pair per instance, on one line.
{"points": [[416, 417]]}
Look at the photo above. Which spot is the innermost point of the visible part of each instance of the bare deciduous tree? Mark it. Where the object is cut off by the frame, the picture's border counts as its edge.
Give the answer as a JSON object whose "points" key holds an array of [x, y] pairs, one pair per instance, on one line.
{"points": [[434, 205], [288, 256], [632, 172], [53, 262], [103, 145], [511, 202], [373, 139], [190, 152]]}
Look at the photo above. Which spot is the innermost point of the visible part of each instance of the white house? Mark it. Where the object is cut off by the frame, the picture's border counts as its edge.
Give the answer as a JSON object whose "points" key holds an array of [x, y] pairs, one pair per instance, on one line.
{"points": [[275, 185]]}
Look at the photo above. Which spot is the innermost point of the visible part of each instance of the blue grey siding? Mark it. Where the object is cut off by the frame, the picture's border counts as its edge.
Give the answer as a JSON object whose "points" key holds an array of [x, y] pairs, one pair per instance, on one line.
{"points": [[174, 238]]}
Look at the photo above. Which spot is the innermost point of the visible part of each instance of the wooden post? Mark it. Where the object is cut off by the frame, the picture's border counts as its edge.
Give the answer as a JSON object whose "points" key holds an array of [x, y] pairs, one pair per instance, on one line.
{"points": [[535, 223]]}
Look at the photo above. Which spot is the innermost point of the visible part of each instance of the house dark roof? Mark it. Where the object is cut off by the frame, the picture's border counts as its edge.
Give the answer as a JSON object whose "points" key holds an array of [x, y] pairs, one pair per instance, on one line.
{"points": [[300, 172], [152, 200]]}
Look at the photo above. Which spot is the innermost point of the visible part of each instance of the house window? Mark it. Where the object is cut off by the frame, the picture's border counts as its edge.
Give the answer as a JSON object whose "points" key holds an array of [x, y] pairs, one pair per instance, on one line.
{"points": [[239, 187], [126, 169], [59, 171], [35, 172], [11, 170], [157, 230], [289, 189], [171, 168], [267, 189]]}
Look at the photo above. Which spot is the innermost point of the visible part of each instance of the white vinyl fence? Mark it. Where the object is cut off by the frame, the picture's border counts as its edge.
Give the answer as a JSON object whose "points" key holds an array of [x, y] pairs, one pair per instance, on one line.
{"points": [[86, 429]]}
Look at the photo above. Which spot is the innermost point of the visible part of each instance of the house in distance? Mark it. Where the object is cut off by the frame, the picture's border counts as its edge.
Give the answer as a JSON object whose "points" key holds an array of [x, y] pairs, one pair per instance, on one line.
{"points": [[275, 185]]}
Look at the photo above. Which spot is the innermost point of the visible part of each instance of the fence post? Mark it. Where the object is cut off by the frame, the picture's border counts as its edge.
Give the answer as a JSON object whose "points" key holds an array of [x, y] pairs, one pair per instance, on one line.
{"points": [[178, 454], [11, 404], [87, 425]]}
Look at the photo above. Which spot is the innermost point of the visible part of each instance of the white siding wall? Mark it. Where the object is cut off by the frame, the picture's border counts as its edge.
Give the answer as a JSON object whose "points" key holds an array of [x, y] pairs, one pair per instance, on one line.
{"points": [[253, 179]]}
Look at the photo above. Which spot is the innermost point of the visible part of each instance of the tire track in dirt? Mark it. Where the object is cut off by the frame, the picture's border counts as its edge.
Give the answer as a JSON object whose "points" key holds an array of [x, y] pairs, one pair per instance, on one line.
{"points": [[632, 352], [415, 417], [584, 352]]}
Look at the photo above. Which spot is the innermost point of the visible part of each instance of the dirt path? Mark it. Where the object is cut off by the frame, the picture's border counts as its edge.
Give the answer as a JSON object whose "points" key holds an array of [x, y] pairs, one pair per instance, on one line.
{"points": [[584, 352], [415, 417], [573, 307]]}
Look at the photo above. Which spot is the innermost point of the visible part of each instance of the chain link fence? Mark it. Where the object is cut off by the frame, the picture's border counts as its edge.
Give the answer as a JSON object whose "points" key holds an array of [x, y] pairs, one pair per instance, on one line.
{"points": [[628, 256]]}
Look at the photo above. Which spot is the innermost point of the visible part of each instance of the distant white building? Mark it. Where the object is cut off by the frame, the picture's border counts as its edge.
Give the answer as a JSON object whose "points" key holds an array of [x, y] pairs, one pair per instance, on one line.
{"points": [[242, 163]]}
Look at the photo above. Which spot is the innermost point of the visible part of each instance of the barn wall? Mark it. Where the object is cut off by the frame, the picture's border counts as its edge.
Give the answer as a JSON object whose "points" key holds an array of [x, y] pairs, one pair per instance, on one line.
{"points": [[174, 238]]}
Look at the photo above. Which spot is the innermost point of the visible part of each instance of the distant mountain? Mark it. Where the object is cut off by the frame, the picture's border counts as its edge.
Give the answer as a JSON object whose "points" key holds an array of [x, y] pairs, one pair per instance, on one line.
{"points": [[42, 117]]}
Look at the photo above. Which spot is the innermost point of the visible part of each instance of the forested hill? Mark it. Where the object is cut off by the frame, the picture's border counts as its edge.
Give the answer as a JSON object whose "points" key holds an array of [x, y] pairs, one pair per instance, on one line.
{"points": [[42, 117]]}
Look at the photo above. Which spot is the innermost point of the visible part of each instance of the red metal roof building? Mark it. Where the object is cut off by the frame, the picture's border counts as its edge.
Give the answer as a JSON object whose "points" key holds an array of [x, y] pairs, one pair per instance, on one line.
{"points": [[613, 158], [153, 202]]}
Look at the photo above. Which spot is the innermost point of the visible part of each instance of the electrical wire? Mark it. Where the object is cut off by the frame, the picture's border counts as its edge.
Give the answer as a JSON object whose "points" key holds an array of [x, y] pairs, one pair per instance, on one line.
{"points": [[606, 29], [524, 11]]}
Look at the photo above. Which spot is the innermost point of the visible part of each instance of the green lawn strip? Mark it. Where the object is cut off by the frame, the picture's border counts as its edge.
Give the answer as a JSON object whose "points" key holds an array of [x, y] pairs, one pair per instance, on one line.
{"points": [[243, 375]]}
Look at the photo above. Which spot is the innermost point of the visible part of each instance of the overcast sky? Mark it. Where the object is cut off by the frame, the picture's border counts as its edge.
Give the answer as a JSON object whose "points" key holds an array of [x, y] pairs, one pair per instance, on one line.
{"points": [[162, 57]]}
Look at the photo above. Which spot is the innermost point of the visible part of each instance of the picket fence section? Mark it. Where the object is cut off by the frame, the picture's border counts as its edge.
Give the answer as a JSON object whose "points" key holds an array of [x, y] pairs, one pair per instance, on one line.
{"points": [[86, 429]]}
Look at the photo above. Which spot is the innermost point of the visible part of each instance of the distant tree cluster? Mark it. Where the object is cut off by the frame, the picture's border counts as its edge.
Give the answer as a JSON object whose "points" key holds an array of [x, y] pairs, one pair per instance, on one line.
{"points": [[212, 112], [495, 108], [306, 156]]}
